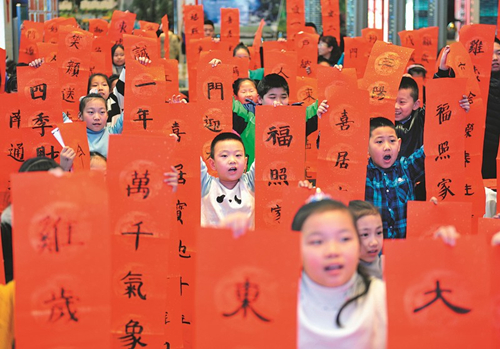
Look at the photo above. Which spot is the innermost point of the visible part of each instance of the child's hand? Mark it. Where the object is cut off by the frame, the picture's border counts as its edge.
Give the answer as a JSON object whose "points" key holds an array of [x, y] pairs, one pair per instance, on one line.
{"points": [[448, 233], [305, 184], [308, 70], [444, 56], [281, 40], [238, 222], [216, 39], [215, 62], [338, 66], [174, 137], [323, 108], [464, 103], [277, 103], [495, 240], [143, 60], [172, 178], [177, 99], [67, 156], [94, 91], [37, 63], [434, 200]]}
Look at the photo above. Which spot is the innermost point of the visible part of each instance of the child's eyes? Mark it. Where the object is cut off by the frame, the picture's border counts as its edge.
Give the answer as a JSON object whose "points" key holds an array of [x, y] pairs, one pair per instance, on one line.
{"points": [[380, 232], [346, 238], [316, 242], [363, 235]]}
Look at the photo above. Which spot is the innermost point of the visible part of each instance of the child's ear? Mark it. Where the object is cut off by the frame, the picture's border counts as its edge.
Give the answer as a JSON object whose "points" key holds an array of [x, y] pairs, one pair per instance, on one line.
{"points": [[259, 99], [399, 144], [212, 163], [80, 116], [416, 105]]}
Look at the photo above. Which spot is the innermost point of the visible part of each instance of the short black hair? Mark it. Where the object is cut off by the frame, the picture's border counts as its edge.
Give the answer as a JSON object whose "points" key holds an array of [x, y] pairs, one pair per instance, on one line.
{"points": [[497, 40], [112, 78], [224, 136], [380, 122], [241, 45], [362, 208], [318, 207], [237, 83], [96, 154], [331, 41], [312, 25], [38, 164], [209, 22], [417, 69], [409, 83], [87, 98], [272, 81], [104, 76]]}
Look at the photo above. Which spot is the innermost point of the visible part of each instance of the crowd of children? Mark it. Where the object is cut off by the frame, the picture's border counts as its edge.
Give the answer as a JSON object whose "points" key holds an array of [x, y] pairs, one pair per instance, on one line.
{"points": [[342, 298]]}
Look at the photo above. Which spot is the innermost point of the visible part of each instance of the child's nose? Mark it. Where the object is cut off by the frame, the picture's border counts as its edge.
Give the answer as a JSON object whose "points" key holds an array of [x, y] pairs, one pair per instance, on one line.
{"points": [[331, 249]]}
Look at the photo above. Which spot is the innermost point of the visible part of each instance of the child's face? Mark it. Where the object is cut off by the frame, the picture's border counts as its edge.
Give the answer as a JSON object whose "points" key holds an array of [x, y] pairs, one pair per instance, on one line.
{"points": [[247, 90], [101, 85], [241, 53], [383, 146], [275, 96], [229, 161], [98, 164], [495, 63], [371, 236], [95, 114], [119, 57], [330, 248], [405, 104]]}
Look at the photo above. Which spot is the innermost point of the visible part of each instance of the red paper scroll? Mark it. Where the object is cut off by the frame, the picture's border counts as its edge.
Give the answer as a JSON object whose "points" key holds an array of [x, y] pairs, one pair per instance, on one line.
{"points": [[428, 39], [215, 83], [372, 35], [149, 26], [53, 25], [306, 46], [145, 96], [280, 156], [140, 47], [230, 277], [382, 77], [284, 64], [230, 26], [193, 21], [121, 23], [430, 284], [73, 61], [166, 41], [256, 46], [141, 206], [295, 18], [98, 27], [171, 67], [424, 218], [356, 54], [345, 130], [444, 140], [330, 14], [61, 254], [31, 33], [74, 135]]}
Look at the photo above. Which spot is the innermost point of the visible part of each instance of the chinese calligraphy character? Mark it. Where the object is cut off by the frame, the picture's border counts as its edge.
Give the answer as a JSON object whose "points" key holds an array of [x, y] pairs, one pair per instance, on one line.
{"points": [[427, 41], [409, 40], [151, 83], [468, 130], [282, 73], [309, 95], [179, 206], [215, 86], [176, 131], [466, 158], [73, 68], [443, 112], [439, 295], [41, 121], [247, 293], [353, 53], [38, 91], [68, 94], [444, 188], [277, 176], [139, 185], [470, 97], [133, 283], [212, 124], [477, 72], [476, 47], [443, 148], [55, 233], [468, 187], [123, 27], [15, 118], [17, 153], [140, 51], [137, 233], [180, 179], [182, 250], [62, 305], [277, 211], [282, 135], [53, 154], [184, 321], [132, 328], [183, 284], [342, 160], [75, 41], [344, 121], [378, 92], [166, 318], [461, 65], [142, 115]]}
